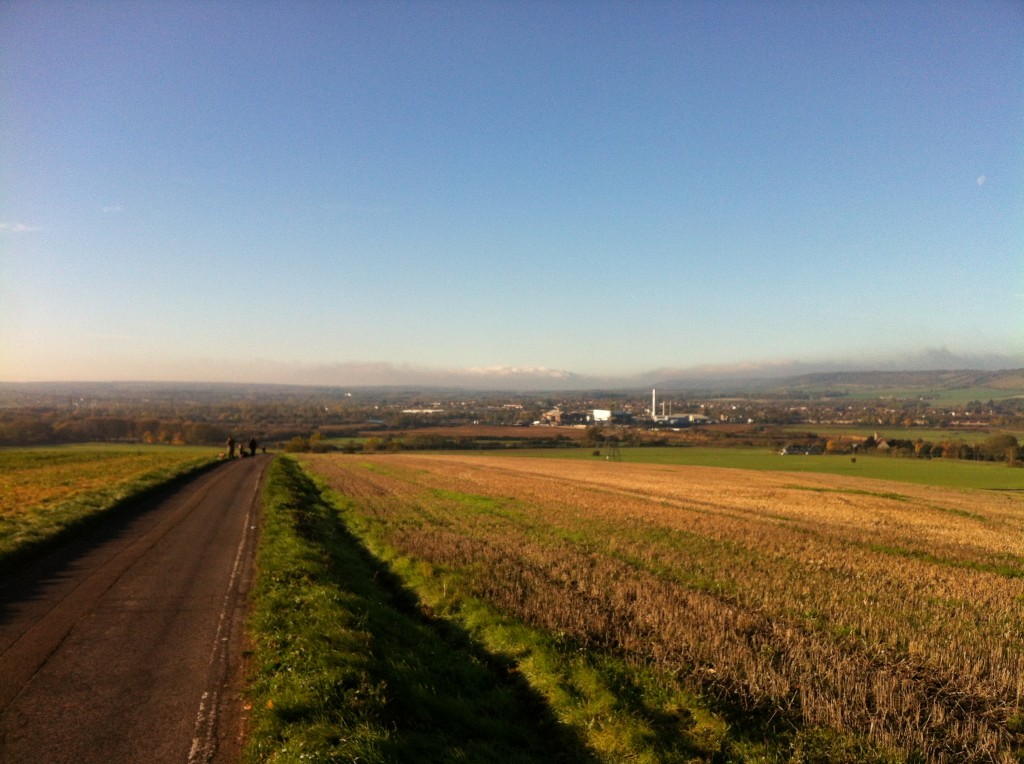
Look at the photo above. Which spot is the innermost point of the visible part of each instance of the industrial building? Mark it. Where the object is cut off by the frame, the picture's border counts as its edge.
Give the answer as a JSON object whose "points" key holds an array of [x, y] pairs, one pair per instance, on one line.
{"points": [[670, 419]]}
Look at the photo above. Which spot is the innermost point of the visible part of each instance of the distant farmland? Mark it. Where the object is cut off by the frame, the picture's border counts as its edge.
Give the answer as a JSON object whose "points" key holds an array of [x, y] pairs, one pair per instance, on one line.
{"points": [[813, 606], [953, 473]]}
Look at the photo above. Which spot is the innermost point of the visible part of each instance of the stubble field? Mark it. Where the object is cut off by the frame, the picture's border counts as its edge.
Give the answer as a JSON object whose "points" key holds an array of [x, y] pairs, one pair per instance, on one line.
{"points": [[884, 611]]}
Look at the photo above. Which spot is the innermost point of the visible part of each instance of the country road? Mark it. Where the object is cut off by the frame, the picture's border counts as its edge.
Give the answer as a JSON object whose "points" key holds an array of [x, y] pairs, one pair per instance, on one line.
{"points": [[124, 646]]}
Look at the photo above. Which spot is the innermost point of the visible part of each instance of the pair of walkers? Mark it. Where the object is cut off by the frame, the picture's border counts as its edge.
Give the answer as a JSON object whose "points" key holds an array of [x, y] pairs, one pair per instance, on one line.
{"points": [[241, 448]]}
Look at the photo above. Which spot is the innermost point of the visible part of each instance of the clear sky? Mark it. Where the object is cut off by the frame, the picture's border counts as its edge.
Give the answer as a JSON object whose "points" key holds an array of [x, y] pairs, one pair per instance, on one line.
{"points": [[349, 192]]}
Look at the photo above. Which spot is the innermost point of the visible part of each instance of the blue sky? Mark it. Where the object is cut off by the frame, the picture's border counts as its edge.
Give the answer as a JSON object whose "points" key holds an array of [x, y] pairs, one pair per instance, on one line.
{"points": [[369, 191]]}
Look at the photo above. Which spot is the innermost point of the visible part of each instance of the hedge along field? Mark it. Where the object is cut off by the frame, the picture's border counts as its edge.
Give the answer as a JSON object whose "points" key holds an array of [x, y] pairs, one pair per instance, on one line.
{"points": [[44, 491], [822, 607]]}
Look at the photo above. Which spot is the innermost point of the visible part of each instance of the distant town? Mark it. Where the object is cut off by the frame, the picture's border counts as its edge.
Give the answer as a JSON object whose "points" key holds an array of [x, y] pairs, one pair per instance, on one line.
{"points": [[940, 412]]}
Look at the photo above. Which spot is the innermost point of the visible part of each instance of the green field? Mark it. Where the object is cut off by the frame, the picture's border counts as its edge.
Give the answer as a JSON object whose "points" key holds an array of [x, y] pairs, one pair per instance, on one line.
{"points": [[939, 396], [46, 492], [930, 435], [939, 472]]}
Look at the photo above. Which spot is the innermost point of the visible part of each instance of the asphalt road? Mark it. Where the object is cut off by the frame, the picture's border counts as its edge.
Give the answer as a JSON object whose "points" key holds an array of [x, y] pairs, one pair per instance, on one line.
{"points": [[125, 645]]}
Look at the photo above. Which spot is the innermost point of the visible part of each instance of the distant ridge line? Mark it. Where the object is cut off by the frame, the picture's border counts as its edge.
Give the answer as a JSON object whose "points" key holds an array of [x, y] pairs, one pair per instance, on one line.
{"points": [[1008, 379], [747, 381]]}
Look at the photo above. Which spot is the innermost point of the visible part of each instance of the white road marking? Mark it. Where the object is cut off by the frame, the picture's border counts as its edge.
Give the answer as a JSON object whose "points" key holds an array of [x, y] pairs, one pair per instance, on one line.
{"points": [[204, 735]]}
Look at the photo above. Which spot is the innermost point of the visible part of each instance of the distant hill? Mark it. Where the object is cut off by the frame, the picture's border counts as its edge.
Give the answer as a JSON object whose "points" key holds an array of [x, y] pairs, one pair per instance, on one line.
{"points": [[940, 386], [943, 387], [968, 384], [948, 379]]}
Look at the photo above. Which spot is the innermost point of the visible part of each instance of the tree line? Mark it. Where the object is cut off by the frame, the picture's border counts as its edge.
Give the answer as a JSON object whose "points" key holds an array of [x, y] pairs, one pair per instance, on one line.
{"points": [[995, 448], [38, 430]]}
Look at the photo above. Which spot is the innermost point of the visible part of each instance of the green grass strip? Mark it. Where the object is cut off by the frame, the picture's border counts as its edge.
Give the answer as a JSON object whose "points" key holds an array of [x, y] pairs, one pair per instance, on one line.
{"points": [[1013, 567]]}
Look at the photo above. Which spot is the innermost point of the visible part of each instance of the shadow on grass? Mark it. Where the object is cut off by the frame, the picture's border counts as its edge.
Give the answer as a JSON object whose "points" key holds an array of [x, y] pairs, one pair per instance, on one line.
{"points": [[445, 697]]}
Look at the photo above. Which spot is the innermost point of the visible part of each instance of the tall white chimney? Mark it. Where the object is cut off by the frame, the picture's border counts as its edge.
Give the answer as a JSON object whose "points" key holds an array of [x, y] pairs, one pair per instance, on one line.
{"points": [[654, 404]]}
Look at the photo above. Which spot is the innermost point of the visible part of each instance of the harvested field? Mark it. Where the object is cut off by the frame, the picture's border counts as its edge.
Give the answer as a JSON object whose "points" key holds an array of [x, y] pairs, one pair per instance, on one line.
{"points": [[885, 610]]}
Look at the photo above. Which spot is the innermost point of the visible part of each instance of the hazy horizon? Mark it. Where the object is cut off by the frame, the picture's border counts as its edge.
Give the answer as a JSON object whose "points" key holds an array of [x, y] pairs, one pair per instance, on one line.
{"points": [[488, 190], [525, 379]]}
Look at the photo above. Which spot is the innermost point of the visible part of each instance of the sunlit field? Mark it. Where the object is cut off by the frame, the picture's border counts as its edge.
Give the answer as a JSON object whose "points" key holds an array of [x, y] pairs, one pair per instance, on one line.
{"points": [[798, 604], [936, 435], [938, 472], [43, 490]]}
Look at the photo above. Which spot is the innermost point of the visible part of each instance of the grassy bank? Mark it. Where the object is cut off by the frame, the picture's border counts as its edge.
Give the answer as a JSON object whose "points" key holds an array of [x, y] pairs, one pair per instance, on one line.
{"points": [[46, 494]]}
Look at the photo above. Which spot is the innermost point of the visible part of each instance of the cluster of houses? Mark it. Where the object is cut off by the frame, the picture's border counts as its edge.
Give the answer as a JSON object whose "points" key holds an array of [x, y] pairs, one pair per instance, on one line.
{"points": [[796, 449], [849, 444]]}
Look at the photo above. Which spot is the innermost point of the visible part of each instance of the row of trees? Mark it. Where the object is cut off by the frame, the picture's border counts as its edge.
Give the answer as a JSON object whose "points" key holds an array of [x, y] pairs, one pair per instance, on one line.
{"points": [[317, 443], [37, 430], [995, 448]]}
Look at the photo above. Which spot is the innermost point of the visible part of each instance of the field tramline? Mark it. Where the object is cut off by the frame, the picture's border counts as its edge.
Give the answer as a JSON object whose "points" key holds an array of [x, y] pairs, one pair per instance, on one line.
{"points": [[887, 611]]}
